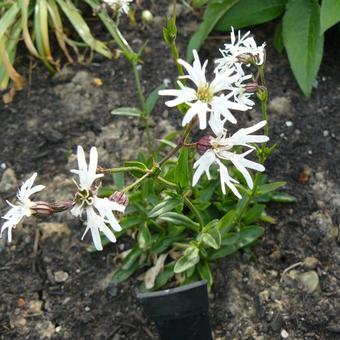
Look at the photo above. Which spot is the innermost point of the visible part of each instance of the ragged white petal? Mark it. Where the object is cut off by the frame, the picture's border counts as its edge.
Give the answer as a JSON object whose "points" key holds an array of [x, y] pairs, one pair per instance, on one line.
{"points": [[203, 165]]}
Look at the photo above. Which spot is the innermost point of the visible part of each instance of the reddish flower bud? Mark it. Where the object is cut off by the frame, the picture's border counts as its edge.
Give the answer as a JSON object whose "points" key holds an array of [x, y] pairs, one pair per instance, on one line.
{"points": [[42, 209], [203, 145], [60, 206], [120, 198], [251, 87]]}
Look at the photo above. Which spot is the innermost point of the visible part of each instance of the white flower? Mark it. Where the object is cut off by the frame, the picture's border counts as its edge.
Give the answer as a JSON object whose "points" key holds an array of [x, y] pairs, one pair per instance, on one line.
{"points": [[119, 6], [99, 211], [23, 208], [221, 149], [204, 98], [238, 50]]}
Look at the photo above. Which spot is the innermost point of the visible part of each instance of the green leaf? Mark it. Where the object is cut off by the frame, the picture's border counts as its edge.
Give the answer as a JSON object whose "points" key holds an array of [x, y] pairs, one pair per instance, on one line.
{"points": [[182, 170], [118, 179], [249, 235], [164, 206], [265, 188], [278, 39], [303, 42], [130, 221], [136, 164], [227, 221], [163, 243], [330, 14], [210, 241], [105, 191], [144, 237], [215, 235], [188, 260], [199, 3], [79, 24], [152, 99], [250, 12], [9, 18], [233, 242], [229, 246], [283, 197], [211, 16], [179, 220], [254, 213], [132, 257], [122, 274], [127, 111], [167, 142], [205, 272]]}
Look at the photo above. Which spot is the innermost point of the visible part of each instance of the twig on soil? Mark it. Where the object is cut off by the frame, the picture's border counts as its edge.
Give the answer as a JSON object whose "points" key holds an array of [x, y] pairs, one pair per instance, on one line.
{"points": [[148, 332], [290, 268], [36, 247], [114, 332]]}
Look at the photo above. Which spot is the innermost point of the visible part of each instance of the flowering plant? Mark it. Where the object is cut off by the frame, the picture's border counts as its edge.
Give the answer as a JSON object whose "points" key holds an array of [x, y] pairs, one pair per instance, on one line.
{"points": [[193, 199]]}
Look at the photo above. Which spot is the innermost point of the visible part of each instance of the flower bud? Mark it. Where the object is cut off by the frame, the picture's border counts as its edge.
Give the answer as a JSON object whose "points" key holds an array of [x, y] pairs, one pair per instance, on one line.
{"points": [[251, 87], [147, 17], [120, 198], [42, 209], [203, 145], [60, 206]]}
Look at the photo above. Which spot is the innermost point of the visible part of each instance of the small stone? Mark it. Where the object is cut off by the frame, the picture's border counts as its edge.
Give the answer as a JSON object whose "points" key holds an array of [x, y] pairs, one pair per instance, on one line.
{"points": [[325, 133], [52, 135], [280, 105], [35, 307], [264, 295], [60, 276], [289, 123], [51, 229], [310, 262], [310, 152], [3, 166], [87, 309], [310, 281], [9, 182], [64, 75], [179, 10], [112, 290], [284, 334]]}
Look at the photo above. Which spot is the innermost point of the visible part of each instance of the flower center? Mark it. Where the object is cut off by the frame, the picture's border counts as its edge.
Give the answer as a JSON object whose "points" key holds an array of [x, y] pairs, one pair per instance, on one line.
{"points": [[205, 93], [84, 196]]}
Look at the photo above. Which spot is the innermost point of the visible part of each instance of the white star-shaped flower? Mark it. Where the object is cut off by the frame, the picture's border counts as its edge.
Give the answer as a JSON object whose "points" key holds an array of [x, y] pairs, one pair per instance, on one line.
{"points": [[99, 211], [119, 6], [237, 51], [204, 98], [23, 208], [221, 149]]}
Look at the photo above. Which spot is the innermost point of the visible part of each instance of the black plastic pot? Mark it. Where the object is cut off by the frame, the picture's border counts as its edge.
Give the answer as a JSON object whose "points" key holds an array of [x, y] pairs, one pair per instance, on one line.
{"points": [[179, 313]]}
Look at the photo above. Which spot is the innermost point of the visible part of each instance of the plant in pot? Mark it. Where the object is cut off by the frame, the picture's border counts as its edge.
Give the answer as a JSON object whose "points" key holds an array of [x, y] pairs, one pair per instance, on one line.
{"points": [[190, 200]]}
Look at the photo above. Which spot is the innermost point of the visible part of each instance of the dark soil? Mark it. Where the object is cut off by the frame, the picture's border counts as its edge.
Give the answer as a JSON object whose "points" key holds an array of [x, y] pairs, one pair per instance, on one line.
{"points": [[39, 132]]}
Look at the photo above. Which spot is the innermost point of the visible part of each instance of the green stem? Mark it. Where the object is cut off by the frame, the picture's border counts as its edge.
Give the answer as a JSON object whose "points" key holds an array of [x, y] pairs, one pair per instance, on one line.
{"points": [[168, 183], [194, 210], [122, 169], [138, 181], [139, 88]]}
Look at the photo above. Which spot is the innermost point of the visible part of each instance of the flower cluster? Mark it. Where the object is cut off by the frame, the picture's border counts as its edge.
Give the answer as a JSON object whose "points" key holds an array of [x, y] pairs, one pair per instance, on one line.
{"points": [[212, 103], [118, 6], [98, 211]]}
